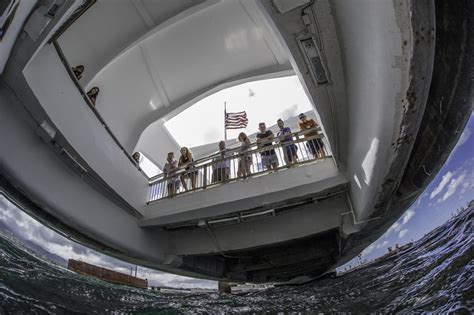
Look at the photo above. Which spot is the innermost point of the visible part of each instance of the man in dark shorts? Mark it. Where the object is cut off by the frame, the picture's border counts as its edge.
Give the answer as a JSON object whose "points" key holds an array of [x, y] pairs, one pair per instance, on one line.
{"points": [[264, 139], [309, 129]]}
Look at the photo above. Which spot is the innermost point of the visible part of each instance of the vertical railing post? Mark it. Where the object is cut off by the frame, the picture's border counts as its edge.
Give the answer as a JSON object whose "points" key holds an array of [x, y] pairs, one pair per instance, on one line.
{"points": [[204, 177]]}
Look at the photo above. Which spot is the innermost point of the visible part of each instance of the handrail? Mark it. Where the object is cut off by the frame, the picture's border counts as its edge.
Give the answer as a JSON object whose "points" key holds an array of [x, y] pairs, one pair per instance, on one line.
{"points": [[213, 170], [237, 150]]}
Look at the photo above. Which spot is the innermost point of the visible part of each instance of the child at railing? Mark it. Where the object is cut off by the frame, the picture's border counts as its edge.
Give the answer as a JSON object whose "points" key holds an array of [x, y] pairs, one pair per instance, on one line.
{"points": [[245, 158], [169, 170]]}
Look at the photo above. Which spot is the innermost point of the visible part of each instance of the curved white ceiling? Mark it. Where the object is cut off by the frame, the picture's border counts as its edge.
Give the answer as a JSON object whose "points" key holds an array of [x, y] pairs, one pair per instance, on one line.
{"points": [[196, 51], [110, 26]]}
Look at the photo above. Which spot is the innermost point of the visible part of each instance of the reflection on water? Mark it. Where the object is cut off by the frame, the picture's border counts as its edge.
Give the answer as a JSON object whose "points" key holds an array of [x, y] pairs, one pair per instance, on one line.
{"points": [[436, 274]]}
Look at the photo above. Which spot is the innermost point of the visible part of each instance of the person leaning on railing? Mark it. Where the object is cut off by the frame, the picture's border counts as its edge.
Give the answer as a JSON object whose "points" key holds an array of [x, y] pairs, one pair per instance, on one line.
{"points": [[286, 141], [170, 168], [78, 70], [92, 94], [264, 139], [245, 157], [186, 160], [136, 157], [309, 128], [221, 164]]}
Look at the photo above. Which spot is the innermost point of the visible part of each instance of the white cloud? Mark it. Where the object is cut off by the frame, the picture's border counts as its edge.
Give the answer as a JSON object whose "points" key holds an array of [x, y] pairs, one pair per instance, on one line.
{"points": [[407, 216], [464, 137], [441, 185], [402, 233], [462, 140], [368, 249], [27, 228], [289, 112], [465, 187], [383, 244], [453, 186], [394, 228]]}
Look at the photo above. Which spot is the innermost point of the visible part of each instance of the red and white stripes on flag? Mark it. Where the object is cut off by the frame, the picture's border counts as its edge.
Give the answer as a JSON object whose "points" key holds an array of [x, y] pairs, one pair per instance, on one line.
{"points": [[236, 120]]}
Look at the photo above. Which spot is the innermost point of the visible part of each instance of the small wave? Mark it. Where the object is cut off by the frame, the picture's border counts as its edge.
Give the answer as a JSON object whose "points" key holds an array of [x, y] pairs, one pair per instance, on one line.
{"points": [[436, 274]]}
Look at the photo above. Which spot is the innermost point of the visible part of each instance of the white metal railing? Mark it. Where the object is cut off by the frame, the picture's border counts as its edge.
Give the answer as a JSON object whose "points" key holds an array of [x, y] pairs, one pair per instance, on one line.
{"points": [[216, 169]]}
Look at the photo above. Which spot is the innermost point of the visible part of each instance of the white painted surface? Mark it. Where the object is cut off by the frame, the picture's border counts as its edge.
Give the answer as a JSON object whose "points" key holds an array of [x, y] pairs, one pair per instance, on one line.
{"points": [[67, 109], [127, 96], [110, 26], [208, 47], [155, 142], [376, 73], [300, 222], [6, 44]]}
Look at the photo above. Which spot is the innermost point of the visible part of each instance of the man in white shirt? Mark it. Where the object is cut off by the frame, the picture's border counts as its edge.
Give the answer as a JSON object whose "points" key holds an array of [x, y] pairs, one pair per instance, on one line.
{"points": [[221, 167]]}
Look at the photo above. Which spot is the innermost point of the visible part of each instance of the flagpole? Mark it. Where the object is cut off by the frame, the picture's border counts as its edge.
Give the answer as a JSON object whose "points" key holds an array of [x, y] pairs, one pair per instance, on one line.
{"points": [[225, 129]]}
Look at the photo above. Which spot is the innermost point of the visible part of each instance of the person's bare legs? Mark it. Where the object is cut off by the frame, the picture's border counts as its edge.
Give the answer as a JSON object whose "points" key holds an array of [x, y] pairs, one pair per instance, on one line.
{"points": [[183, 181], [322, 153], [171, 190], [295, 158], [193, 180], [286, 158], [240, 169], [247, 168]]}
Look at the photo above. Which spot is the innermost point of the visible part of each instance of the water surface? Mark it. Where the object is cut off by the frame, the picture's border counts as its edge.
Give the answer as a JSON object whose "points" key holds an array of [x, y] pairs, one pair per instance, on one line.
{"points": [[436, 274]]}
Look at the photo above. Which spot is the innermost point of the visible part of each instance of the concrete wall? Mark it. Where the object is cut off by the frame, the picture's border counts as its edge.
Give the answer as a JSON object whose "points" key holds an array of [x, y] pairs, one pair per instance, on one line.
{"points": [[42, 175], [67, 109], [367, 48], [376, 54], [22, 11], [296, 223], [110, 26]]}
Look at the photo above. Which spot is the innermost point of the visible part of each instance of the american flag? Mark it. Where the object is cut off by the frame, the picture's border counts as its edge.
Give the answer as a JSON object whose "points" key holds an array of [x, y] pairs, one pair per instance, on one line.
{"points": [[236, 120]]}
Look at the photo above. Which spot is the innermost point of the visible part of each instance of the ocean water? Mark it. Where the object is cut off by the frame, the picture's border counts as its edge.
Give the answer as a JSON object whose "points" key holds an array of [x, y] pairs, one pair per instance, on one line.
{"points": [[436, 275]]}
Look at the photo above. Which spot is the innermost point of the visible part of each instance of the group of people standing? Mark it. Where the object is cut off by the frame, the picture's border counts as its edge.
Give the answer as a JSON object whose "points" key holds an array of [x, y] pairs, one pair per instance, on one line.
{"points": [[308, 127], [221, 162], [186, 162]]}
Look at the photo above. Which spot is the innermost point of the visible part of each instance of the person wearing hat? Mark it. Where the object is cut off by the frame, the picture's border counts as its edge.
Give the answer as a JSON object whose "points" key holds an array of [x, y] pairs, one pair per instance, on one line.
{"points": [[308, 128]]}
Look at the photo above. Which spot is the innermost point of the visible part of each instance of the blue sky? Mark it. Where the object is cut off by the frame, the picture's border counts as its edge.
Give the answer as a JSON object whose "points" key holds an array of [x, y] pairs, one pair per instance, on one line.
{"points": [[452, 188]]}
